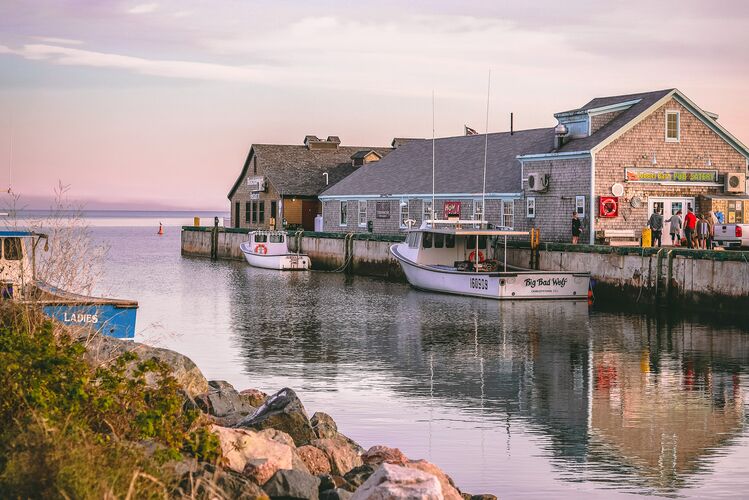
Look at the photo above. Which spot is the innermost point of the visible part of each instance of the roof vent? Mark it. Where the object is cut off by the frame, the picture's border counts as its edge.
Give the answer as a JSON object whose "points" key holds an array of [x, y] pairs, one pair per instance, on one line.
{"points": [[560, 130], [314, 142], [560, 135]]}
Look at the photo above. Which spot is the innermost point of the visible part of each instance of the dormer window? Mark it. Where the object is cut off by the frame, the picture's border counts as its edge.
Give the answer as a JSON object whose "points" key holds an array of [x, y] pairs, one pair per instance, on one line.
{"points": [[673, 128]]}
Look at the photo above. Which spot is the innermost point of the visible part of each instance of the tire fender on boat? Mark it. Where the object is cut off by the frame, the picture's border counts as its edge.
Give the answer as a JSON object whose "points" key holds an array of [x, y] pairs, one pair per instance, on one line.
{"points": [[260, 248]]}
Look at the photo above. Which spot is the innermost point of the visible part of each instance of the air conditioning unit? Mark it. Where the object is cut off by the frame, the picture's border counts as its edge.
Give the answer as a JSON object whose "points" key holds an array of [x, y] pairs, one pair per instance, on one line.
{"points": [[538, 182], [735, 183]]}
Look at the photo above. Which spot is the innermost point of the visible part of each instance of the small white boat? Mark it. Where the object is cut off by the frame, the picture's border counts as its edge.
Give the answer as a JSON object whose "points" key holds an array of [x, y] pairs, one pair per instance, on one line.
{"points": [[451, 258], [270, 250]]}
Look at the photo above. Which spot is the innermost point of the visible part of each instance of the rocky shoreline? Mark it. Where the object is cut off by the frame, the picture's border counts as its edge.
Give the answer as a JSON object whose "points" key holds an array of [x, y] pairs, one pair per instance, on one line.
{"points": [[271, 448]]}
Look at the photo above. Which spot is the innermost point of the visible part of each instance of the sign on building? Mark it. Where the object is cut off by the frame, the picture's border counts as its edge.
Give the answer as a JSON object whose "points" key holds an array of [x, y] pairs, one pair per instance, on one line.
{"points": [[674, 175], [452, 209], [256, 183], [382, 210]]}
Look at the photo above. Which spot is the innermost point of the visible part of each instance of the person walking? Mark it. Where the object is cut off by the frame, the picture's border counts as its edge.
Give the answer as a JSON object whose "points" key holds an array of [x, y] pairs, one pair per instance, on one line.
{"points": [[674, 228], [577, 228], [712, 220], [690, 225], [656, 226], [703, 231]]}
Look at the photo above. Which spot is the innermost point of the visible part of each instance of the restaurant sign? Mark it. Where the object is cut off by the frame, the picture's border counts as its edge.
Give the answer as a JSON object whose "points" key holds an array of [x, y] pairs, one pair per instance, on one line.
{"points": [[382, 210], [452, 209], [680, 176]]}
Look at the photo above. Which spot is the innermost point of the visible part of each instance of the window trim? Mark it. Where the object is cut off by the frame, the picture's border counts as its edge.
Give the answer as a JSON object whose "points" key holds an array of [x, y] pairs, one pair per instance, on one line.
{"points": [[671, 112], [476, 204], [362, 223], [427, 214], [343, 213], [401, 206], [511, 214], [530, 203], [580, 204]]}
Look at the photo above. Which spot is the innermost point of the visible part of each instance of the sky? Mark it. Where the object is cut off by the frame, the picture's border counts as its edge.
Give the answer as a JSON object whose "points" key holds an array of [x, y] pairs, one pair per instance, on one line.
{"points": [[153, 105]]}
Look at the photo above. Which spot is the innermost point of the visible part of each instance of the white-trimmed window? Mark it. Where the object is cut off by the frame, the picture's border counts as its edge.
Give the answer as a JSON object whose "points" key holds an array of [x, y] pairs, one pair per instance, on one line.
{"points": [[426, 210], [362, 213], [508, 213], [343, 221], [530, 207], [404, 212], [580, 206], [673, 126], [478, 209]]}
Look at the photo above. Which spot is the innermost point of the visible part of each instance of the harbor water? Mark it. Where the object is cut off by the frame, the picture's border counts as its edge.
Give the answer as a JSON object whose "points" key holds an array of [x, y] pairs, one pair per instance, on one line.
{"points": [[520, 399]]}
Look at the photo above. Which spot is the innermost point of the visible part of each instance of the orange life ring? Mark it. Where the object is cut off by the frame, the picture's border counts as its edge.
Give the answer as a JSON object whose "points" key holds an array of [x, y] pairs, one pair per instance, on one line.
{"points": [[472, 256], [260, 248]]}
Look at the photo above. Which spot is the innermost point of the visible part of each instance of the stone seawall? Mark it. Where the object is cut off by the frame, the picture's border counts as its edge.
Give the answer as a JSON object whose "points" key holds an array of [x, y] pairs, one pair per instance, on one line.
{"points": [[706, 280]]}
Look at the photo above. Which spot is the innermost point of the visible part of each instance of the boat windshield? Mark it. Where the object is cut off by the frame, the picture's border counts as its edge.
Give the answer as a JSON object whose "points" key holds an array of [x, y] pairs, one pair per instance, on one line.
{"points": [[12, 249], [276, 238], [261, 238]]}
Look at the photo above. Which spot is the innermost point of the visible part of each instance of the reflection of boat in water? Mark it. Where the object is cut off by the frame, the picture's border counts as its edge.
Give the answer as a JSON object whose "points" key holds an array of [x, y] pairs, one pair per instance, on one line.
{"points": [[112, 317], [446, 257], [270, 250]]}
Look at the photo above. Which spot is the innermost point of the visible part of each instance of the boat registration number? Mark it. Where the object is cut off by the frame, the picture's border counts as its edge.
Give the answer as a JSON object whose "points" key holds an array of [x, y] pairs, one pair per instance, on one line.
{"points": [[480, 283]]}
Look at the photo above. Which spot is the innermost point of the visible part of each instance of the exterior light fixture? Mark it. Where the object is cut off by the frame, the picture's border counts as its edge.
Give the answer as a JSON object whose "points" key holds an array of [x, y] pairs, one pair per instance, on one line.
{"points": [[654, 161], [709, 162], [326, 177]]}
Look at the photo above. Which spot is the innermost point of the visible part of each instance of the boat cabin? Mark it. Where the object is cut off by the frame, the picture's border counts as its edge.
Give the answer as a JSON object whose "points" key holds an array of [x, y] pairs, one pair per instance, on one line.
{"points": [[268, 242], [15, 269]]}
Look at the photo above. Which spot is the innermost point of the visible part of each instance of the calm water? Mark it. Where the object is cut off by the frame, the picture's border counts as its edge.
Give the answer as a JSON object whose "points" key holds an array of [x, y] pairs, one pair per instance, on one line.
{"points": [[517, 399]]}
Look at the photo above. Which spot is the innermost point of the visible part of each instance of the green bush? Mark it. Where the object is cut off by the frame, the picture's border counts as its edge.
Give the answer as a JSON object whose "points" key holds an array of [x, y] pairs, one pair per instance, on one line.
{"points": [[70, 430]]}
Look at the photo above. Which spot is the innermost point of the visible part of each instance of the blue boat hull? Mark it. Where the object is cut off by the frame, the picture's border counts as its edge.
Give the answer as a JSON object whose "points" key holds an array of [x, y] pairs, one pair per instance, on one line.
{"points": [[107, 319]]}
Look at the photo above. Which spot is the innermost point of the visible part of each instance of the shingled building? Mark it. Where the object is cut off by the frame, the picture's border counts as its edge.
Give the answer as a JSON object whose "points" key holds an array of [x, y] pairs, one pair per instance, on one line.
{"points": [[279, 183]]}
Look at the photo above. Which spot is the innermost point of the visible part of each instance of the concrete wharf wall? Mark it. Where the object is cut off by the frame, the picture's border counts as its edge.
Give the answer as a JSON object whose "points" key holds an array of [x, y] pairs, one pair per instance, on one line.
{"points": [[707, 280]]}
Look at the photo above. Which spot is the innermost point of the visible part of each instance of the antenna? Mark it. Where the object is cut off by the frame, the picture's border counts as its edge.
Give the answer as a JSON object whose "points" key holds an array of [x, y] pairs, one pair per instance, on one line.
{"points": [[486, 147], [10, 157], [433, 183]]}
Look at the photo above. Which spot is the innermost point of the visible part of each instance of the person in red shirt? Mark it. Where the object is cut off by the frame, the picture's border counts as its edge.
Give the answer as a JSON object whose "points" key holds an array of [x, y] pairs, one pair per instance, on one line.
{"points": [[690, 223]]}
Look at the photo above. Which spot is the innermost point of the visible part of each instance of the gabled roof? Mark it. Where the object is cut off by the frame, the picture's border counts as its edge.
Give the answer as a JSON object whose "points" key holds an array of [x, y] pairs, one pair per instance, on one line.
{"points": [[296, 170], [360, 155], [459, 164]]}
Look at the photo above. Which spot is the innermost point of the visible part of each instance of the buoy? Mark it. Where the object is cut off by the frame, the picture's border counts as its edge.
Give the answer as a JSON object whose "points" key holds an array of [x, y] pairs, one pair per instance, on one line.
{"points": [[161, 229], [590, 297]]}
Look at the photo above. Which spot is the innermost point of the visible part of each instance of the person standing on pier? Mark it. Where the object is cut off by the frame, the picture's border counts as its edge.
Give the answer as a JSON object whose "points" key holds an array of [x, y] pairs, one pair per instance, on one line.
{"points": [[690, 224], [656, 226], [577, 228], [675, 228]]}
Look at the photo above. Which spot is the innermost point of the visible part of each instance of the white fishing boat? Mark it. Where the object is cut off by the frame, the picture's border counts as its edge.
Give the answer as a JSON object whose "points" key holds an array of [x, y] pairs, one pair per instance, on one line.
{"points": [[270, 250], [466, 258]]}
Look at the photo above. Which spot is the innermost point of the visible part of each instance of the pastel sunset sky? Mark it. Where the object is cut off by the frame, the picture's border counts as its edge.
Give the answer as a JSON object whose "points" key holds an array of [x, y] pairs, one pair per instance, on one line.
{"points": [[140, 104]]}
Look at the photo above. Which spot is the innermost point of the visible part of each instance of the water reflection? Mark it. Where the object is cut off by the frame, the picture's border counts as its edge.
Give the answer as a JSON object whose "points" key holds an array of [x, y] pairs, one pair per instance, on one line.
{"points": [[637, 403]]}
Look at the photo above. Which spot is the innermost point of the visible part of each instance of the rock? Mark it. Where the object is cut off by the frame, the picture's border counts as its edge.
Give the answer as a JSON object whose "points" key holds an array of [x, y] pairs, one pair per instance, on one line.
{"points": [[253, 453], [278, 436], [391, 482], [253, 397], [358, 475], [292, 484], [466, 496], [335, 494], [328, 482], [449, 491], [285, 412], [102, 350], [204, 480], [223, 401], [324, 425], [484, 496], [342, 455], [314, 458], [379, 454]]}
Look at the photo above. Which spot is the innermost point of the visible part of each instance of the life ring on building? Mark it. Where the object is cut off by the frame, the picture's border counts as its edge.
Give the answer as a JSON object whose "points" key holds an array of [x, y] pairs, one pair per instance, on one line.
{"points": [[260, 248], [609, 207], [472, 256]]}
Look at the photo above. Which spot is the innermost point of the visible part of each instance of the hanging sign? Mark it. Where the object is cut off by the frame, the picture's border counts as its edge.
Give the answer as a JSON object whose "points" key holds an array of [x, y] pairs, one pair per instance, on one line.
{"points": [[451, 209], [680, 176], [382, 210]]}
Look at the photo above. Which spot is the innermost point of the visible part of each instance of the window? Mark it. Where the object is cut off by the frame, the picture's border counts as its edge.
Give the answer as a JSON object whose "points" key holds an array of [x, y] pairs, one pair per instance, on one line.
{"points": [[273, 208], [237, 214], [362, 213], [247, 210], [508, 213], [530, 207], [261, 212], [404, 212], [276, 238], [413, 240], [673, 134], [426, 211], [580, 206], [254, 165], [261, 238], [254, 212], [426, 240], [439, 240], [12, 248], [344, 214], [449, 241], [478, 210]]}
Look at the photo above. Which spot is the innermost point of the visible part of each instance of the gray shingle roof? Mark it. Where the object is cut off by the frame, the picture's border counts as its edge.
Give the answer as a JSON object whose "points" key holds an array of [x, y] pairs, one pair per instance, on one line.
{"points": [[295, 170], [459, 163]]}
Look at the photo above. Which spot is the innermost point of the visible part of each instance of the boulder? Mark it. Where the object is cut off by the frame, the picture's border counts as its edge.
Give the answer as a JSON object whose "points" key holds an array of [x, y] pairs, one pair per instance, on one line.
{"points": [[449, 491], [328, 482], [390, 482], [324, 425], [293, 484], [253, 397], [253, 453], [343, 456], [223, 401], [335, 494], [204, 480], [358, 475], [314, 458], [484, 496], [278, 436], [379, 454], [102, 350], [283, 411]]}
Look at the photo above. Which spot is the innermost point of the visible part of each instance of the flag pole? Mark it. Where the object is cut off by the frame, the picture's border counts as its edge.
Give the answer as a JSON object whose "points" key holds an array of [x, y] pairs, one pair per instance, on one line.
{"points": [[433, 169], [486, 148]]}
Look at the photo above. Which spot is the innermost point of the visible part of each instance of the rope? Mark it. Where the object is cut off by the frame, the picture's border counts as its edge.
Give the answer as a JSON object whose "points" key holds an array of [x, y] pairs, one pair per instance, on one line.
{"points": [[348, 248]]}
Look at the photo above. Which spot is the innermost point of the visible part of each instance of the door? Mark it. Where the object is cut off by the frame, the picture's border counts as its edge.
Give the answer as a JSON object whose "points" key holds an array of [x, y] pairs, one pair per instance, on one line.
{"points": [[669, 207], [310, 209]]}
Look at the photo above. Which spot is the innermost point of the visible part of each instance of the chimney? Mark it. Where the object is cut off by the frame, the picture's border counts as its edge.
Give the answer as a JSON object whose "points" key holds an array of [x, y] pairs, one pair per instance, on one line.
{"points": [[560, 135], [314, 142]]}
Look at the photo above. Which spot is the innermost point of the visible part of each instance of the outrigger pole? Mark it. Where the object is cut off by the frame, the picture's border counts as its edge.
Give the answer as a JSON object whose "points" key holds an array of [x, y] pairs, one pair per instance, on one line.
{"points": [[486, 148], [431, 223]]}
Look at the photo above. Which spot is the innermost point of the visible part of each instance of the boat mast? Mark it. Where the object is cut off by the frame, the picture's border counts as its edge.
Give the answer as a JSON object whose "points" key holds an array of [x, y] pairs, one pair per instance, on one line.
{"points": [[486, 149], [431, 223]]}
